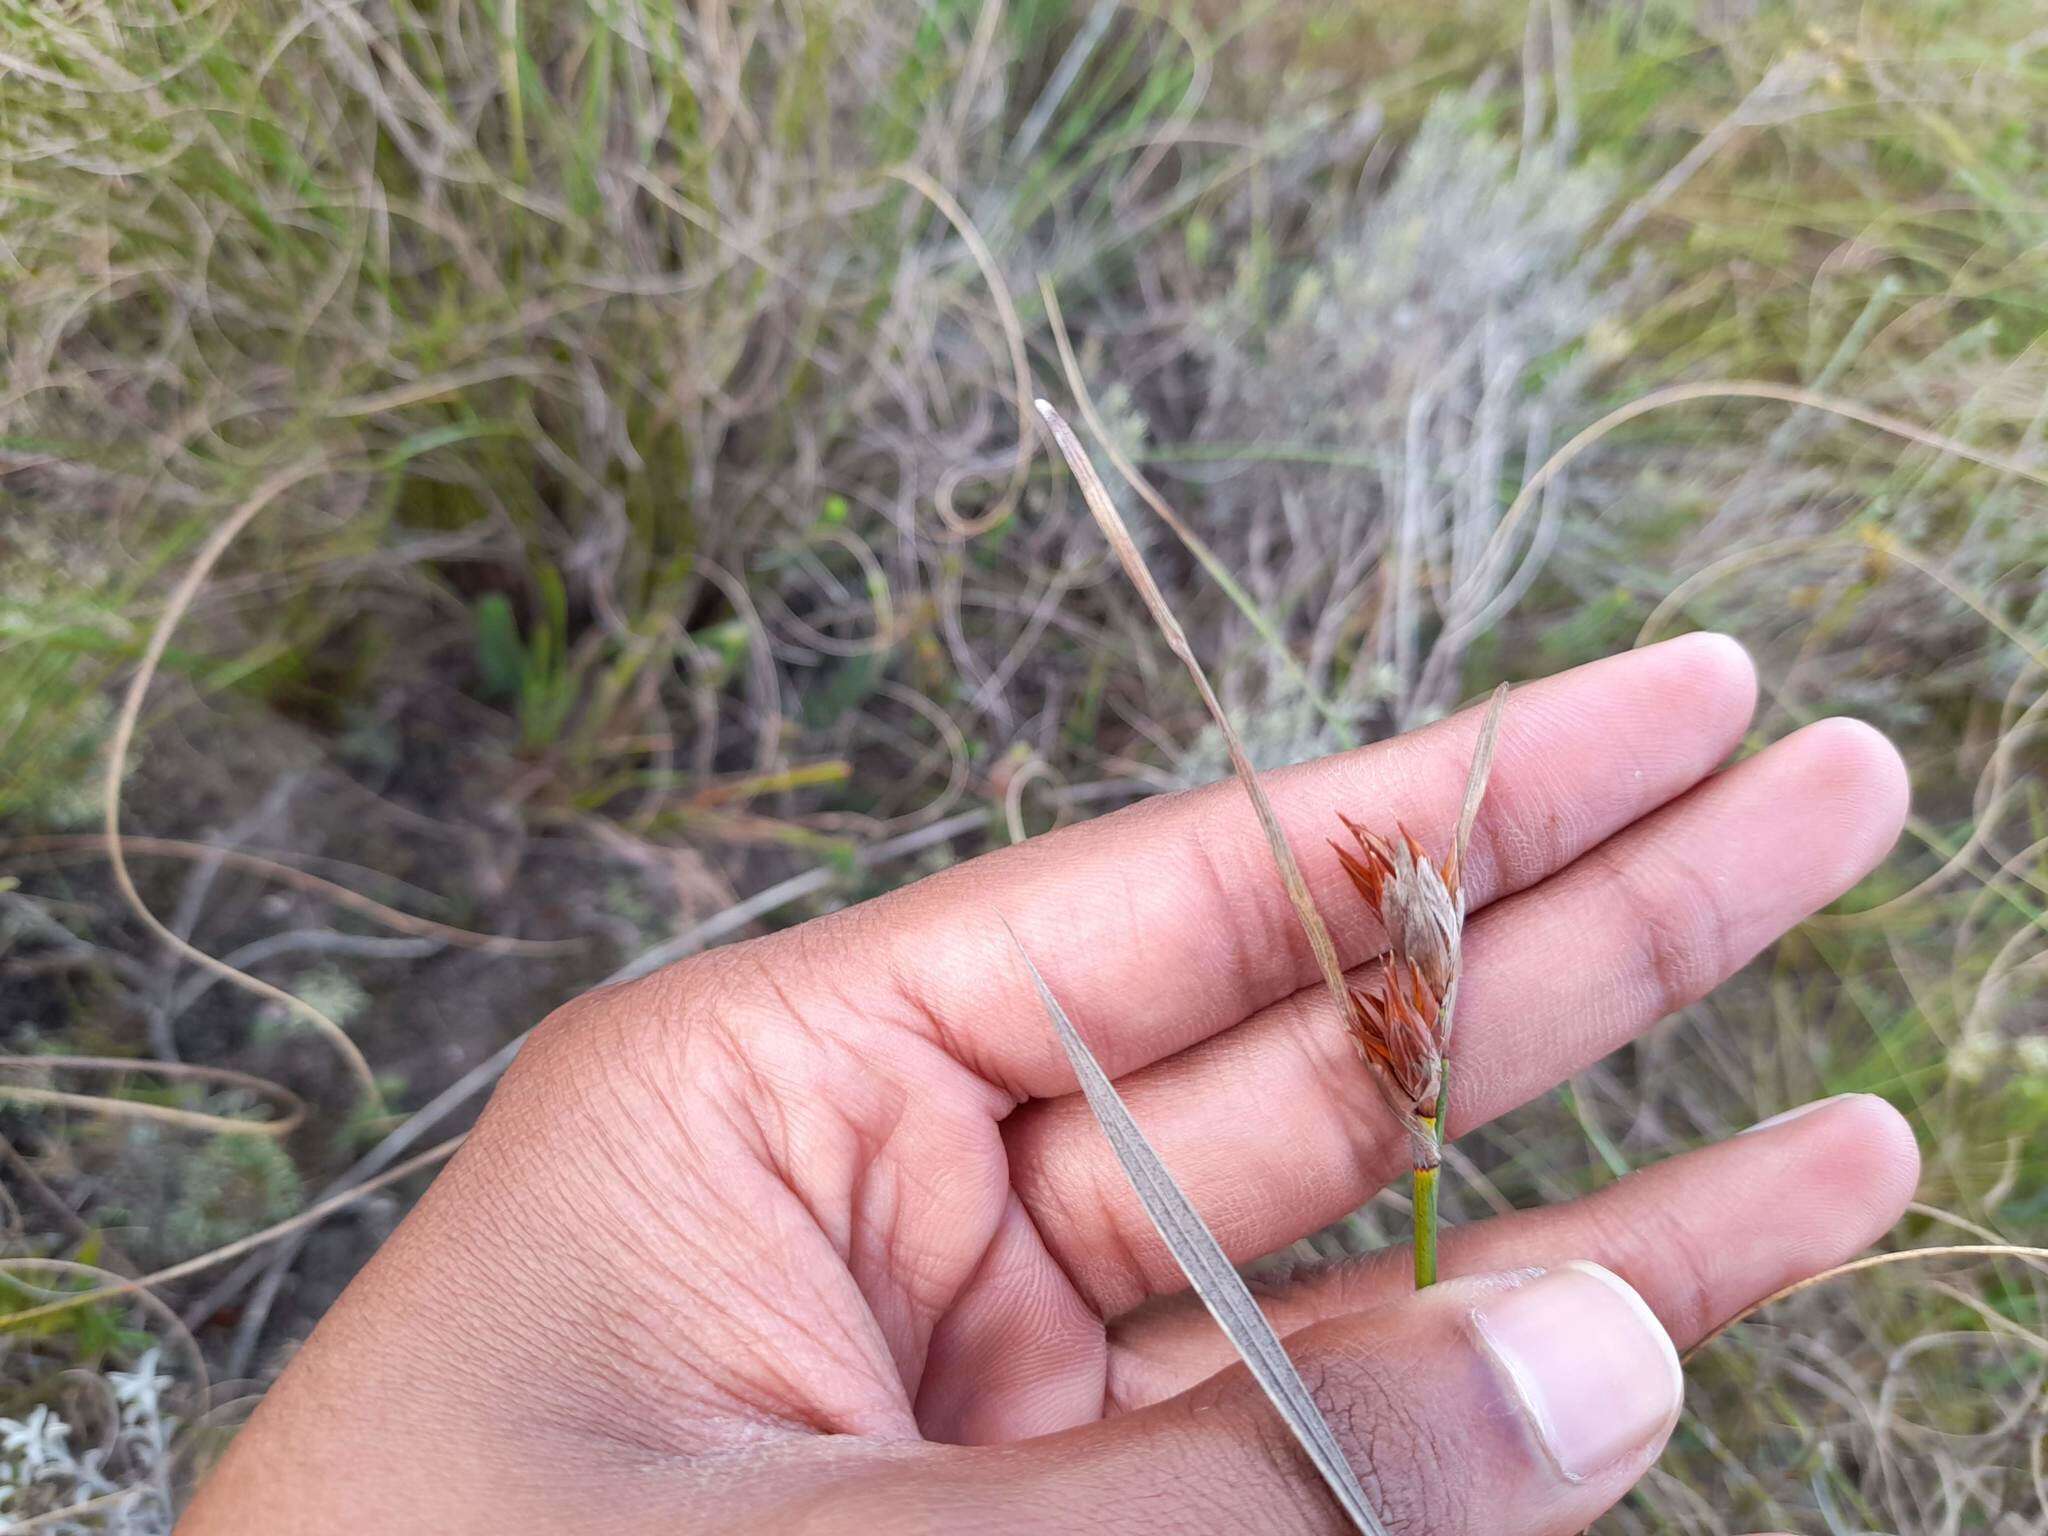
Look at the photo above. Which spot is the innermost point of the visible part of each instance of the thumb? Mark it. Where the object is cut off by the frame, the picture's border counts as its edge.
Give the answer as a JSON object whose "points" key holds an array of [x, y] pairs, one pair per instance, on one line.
{"points": [[1506, 1405]]}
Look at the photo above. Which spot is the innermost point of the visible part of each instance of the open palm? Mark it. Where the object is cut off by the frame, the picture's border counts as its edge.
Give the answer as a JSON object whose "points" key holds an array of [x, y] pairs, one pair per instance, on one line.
{"points": [[749, 1243]]}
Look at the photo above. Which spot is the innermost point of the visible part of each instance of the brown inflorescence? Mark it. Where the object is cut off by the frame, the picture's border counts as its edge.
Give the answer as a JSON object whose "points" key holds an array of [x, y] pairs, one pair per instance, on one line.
{"points": [[1402, 1027]]}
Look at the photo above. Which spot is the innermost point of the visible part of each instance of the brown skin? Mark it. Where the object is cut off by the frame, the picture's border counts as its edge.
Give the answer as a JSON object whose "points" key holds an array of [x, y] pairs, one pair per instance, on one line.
{"points": [[812, 1232]]}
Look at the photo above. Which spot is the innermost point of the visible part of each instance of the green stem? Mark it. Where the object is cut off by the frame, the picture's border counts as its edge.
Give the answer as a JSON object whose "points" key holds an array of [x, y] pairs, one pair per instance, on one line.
{"points": [[1425, 1227], [1426, 1180]]}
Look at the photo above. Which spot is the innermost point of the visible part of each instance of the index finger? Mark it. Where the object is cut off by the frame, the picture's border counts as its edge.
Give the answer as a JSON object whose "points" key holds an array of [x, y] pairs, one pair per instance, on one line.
{"points": [[1162, 924]]}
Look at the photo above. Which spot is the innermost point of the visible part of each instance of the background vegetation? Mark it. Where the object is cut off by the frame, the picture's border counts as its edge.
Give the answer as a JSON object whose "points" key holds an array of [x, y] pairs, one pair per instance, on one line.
{"points": [[598, 428]]}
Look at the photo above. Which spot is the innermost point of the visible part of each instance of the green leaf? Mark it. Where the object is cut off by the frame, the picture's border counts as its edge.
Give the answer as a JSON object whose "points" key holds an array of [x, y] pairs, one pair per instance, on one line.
{"points": [[500, 654], [844, 688]]}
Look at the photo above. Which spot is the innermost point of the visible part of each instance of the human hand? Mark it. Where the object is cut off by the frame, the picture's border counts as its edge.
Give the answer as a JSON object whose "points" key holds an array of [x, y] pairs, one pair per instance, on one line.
{"points": [[812, 1232]]}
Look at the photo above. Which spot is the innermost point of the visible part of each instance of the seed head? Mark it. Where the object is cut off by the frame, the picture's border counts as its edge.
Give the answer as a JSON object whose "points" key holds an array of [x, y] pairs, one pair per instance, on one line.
{"points": [[1402, 1026], [1395, 1026], [1419, 904]]}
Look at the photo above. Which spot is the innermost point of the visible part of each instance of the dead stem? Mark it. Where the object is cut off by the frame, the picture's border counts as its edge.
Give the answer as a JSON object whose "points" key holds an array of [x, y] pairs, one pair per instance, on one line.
{"points": [[1112, 525]]}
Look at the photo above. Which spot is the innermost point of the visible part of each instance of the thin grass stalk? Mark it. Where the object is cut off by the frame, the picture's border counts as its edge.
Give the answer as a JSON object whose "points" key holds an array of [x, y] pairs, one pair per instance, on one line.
{"points": [[1426, 1223], [1427, 1216], [1111, 522], [1211, 563], [319, 1212]]}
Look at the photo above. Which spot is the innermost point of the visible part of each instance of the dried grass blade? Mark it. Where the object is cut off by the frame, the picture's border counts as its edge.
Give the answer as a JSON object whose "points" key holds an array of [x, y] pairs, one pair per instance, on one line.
{"points": [[1482, 770], [1468, 817], [1214, 1278], [1206, 557], [1113, 529]]}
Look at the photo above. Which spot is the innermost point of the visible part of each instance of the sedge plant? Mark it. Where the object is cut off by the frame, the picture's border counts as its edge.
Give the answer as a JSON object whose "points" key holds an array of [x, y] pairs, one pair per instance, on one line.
{"points": [[1401, 1025]]}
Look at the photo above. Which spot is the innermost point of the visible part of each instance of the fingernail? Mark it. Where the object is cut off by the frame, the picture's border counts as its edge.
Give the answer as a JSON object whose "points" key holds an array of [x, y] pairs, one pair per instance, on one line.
{"points": [[1796, 1111], [1593, 1368]]}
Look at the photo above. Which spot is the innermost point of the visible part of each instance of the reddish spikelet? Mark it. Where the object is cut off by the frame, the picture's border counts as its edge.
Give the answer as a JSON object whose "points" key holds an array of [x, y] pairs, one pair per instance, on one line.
{"points": [[1371, 867], [1395, 1028], [1416, 901]]}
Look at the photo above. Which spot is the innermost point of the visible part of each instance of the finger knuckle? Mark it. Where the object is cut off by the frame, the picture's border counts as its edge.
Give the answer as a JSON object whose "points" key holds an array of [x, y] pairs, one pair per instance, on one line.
{"points": [[1679, 920], [1380, 1418]]}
